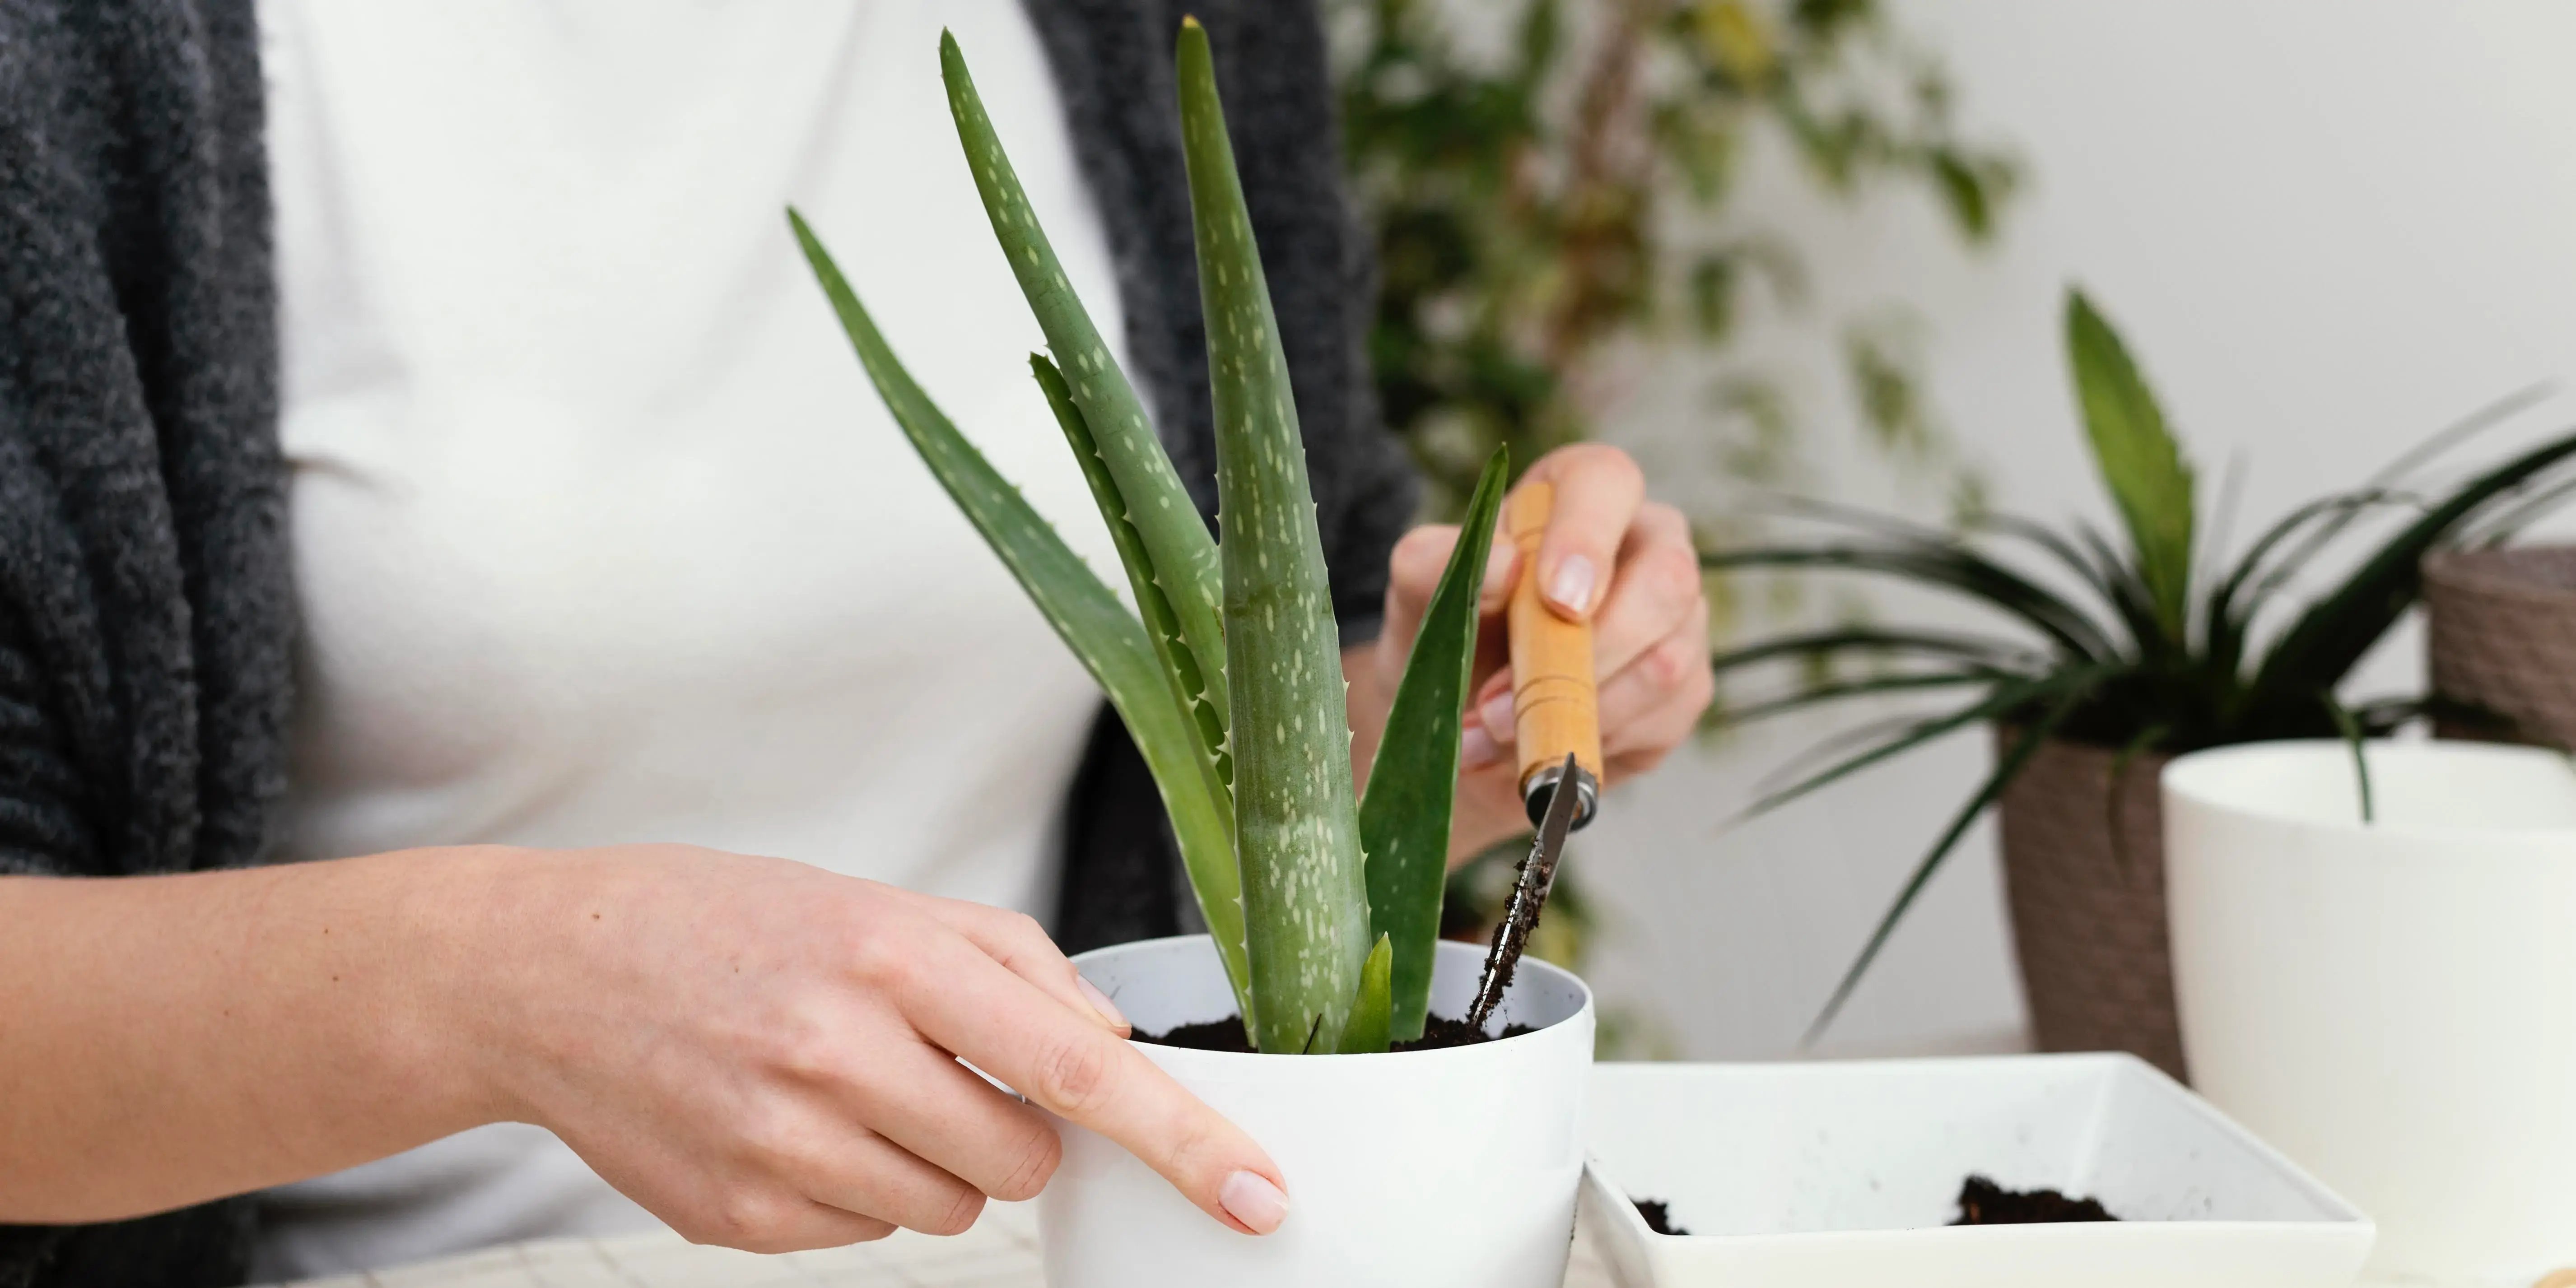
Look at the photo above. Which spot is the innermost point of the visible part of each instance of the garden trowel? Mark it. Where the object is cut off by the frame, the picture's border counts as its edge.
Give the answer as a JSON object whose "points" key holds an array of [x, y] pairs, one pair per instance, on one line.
{"points": [[1556, 716]]}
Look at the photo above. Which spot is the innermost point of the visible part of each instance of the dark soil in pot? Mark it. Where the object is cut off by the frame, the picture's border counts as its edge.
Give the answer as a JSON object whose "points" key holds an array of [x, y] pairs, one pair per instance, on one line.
{"points": [[1227, 1035]]}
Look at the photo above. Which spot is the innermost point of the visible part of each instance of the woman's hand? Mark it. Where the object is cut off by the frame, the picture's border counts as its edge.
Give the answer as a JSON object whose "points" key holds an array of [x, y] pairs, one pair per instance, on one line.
{"points": [[765, 1055], [761, 1053], [1610, 557]]}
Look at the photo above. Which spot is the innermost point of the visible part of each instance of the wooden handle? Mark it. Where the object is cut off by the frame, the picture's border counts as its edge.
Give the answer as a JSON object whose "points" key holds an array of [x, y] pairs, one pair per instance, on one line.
{"points": [[1555, 707]]}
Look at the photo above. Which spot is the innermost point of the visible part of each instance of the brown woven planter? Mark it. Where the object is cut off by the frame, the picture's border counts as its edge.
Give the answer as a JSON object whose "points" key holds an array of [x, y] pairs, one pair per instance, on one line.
{"points": [[2089, 918], [2501, 635]]}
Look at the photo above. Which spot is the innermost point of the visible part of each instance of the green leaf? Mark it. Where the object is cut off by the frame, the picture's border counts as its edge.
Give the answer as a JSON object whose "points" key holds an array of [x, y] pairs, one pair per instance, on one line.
{"points": [[1212, 867], [2010, 768], [2233, 605], [1404, 817], [2139, 460], [2354, 738], [1162, 622], [1184, 556], [1951, 566], [1305, 889], [2316, 652], [1366, 1032], [1838, 690], [2000, 703], [1108, 639], [1866, 639]]}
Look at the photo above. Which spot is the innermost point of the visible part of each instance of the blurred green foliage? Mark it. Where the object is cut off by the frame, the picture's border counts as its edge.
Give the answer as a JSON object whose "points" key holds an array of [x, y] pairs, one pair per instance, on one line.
{"points": [[1541, 206]]}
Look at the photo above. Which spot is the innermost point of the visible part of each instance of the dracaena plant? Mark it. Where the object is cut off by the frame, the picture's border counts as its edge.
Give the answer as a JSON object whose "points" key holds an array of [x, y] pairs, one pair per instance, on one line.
{"points": [[2138, 647], [1228, 672]]}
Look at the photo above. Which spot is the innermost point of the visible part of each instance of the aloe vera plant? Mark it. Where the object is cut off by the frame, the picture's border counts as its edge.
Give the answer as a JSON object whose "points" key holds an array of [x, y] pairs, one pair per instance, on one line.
{"points": [[1228, 671], [2155, 649]]}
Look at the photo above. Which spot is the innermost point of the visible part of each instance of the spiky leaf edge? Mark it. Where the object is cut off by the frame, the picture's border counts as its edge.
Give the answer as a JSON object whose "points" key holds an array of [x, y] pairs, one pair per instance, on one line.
{"points": [[1297, 846], [1184, 555], [1212, 872], [1413, 784], [1110, 642]]}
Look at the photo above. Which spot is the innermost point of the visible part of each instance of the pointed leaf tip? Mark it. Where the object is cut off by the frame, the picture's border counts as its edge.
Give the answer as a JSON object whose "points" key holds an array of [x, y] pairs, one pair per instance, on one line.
{"points": [[1404, 819], [1366, 1032], [2144, 469]]}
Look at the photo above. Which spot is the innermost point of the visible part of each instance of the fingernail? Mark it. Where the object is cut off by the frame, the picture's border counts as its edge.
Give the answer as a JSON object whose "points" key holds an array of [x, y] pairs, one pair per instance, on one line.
{"points": [[1250, 1198], [1497, 717], [1571, 587], [1100, 1002], [1477, 748]]}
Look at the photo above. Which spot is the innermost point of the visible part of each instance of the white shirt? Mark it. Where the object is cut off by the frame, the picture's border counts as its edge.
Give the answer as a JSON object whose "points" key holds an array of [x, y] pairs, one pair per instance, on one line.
{"points": [[600, 533]]}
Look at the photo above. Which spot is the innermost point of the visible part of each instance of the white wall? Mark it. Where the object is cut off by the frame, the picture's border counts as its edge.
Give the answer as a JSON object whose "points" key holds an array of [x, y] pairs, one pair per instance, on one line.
{"points": [[2326, 230]]}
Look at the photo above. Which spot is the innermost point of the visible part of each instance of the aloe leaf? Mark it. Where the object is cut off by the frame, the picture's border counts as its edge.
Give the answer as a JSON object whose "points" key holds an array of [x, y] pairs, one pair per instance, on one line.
{"points": [[1162, 622], [1367, 1031], [1404, 817], [1305, 890], [1184, 556], [2140, 462], [2009, 768], [1108, 639], [1211, 867]]}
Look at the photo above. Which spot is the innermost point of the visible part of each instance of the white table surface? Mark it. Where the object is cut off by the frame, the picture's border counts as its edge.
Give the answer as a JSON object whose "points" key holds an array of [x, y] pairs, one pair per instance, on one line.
{"points": [[1000, 1252]]}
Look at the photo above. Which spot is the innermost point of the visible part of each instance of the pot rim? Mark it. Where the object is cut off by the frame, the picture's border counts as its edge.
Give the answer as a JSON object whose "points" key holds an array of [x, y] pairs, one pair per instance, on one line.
{"points": [[2494, 572], [2192, 776], [1485, 1050]]}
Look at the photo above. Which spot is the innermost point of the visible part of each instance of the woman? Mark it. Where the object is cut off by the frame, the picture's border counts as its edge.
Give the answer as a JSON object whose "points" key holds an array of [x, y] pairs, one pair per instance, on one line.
{"points": [[563, 563]]}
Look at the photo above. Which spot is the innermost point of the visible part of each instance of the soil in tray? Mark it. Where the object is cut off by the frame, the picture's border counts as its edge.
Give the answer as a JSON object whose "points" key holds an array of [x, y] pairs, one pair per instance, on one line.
{"points": [[1659, 1216], [1981, 1202], [1227, 1035]]}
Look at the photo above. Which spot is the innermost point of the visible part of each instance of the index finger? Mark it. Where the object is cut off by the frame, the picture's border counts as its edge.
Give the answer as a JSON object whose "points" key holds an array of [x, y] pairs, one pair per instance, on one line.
{"points": [[1598, 490], [1065, 1063]]}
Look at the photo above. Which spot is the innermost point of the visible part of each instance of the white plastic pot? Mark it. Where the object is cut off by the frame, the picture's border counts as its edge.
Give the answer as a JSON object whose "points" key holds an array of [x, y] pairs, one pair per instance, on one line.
{"points": [[1419, 1169], [2392, 1004]]}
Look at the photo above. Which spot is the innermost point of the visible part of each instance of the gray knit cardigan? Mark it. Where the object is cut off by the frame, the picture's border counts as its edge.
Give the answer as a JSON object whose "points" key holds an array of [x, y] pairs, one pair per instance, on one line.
{"points": [[146, 609]]}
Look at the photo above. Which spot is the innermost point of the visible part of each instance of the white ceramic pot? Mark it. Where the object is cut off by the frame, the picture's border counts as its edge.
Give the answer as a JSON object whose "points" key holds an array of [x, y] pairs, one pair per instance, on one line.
{"points": [[1846, 1175], [1418, 1169], [2391, 1004]]}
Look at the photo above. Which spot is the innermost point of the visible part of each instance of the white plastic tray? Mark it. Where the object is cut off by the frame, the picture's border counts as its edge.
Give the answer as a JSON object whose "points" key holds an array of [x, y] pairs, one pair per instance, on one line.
{"points": [[1792, 1175]]}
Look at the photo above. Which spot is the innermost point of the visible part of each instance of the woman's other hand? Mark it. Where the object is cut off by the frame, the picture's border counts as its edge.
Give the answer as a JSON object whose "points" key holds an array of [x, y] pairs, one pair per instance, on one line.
{"points": [[765, 1055], [1610, 557], [762, 1053]]}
